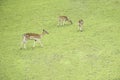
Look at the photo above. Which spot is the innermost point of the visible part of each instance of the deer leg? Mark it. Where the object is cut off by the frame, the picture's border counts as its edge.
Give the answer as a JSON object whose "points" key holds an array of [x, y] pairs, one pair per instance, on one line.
{"points": [[60, 22], [63, 22], [40, 43], [34, 44], [23, 43], [80, 28]]}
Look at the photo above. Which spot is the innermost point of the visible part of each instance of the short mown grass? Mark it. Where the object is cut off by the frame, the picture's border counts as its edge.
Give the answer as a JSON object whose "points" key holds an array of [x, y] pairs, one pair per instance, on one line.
{"points": [[68, 54]]}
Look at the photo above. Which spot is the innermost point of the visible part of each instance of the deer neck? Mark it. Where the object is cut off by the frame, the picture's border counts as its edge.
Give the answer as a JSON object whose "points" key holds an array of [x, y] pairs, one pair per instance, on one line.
{"points": [[41, 35]]}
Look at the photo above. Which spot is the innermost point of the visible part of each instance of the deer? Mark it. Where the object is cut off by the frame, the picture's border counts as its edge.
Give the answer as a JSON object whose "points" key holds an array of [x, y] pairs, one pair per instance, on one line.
{"points": [[80, 24], [63, 19], [32, 36]]}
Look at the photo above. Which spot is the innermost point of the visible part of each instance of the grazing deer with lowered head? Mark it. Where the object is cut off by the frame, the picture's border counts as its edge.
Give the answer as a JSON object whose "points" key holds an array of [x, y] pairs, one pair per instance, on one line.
{"points": [[80, 24], [33, 36], [63, 19]]}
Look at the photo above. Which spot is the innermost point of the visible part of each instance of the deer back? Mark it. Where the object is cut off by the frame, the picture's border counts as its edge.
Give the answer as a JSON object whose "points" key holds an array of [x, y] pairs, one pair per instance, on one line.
{"points": [[63, 18], [32, 36]]}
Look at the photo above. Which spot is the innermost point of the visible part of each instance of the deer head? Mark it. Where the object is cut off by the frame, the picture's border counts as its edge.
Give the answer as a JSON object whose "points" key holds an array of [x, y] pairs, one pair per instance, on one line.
{"points": [[70, 21], [45, 32]]}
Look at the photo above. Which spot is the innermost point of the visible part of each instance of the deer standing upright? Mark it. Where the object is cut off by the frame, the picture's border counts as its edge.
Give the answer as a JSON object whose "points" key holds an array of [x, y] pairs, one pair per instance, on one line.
{"points": [[33, 36], [80, 24], [63, 19]]}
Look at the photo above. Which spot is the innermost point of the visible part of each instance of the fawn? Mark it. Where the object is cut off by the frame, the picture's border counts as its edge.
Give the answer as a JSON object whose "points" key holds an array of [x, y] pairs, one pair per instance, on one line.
{"points": [[80, 24], [63, 19]]}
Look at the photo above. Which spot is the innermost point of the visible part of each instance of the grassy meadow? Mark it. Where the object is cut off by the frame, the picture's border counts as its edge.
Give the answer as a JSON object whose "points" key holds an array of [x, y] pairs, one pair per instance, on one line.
{"points": [[68, 54]]}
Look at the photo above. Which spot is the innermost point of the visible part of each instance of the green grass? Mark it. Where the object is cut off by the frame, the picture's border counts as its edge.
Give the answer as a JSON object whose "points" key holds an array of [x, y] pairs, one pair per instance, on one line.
{"points": [[93, 54]]}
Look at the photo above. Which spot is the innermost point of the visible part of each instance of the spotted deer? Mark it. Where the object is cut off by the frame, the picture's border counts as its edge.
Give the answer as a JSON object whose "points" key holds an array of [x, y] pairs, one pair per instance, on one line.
{"points": [[80, 24], [32, 36], [63, 19]]}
